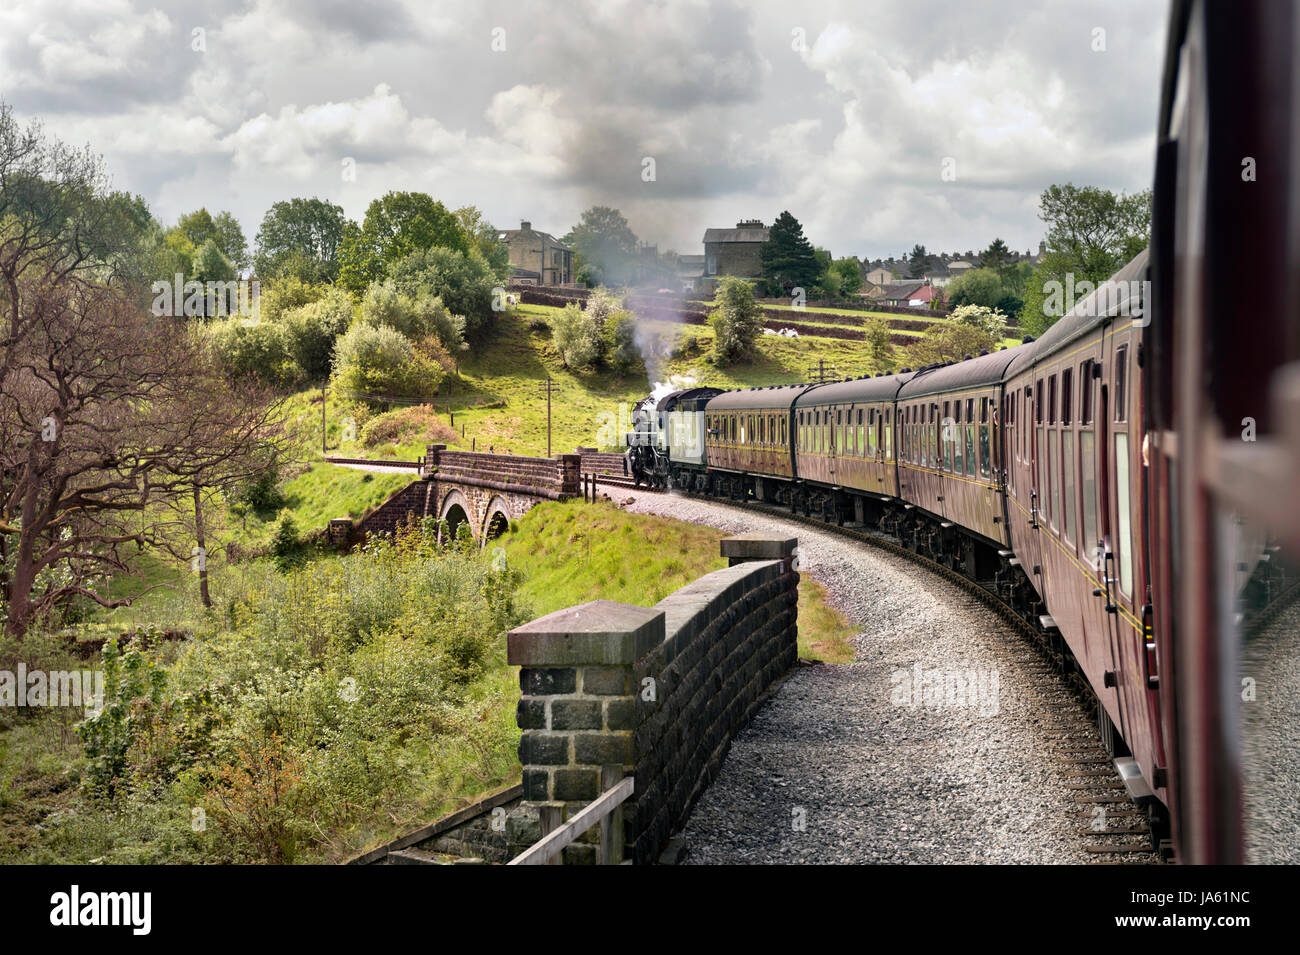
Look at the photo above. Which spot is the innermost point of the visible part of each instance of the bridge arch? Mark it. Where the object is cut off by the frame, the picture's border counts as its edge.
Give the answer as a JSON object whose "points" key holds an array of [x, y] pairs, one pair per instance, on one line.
{"points": [[497, 519], [456, 509]]}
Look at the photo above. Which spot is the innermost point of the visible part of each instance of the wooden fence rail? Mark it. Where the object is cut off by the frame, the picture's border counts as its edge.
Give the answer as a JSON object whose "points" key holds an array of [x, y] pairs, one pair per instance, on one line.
{"points": [[607, 810]]}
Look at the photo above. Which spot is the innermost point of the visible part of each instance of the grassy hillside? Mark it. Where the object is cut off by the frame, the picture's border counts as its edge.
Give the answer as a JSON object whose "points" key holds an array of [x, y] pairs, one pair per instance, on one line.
{"points": [[572, 552]]}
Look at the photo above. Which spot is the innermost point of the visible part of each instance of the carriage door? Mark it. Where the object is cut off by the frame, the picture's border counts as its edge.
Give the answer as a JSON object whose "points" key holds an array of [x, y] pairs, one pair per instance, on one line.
{"points": [[832, 445], [1107, 575]]}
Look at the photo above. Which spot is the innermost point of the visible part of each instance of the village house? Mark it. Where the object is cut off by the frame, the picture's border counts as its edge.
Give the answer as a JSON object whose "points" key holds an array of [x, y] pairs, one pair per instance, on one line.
{"points": [[735, 251], [538, 257]]}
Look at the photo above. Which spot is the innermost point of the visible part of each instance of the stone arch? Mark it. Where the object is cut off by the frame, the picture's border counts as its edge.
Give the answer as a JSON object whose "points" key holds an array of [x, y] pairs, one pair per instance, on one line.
{"points": [[497, 520], [456, 509]]}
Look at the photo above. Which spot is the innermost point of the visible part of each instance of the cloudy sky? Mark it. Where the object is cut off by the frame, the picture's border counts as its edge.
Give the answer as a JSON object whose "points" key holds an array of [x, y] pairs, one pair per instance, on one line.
{"points": [[846, 112]]}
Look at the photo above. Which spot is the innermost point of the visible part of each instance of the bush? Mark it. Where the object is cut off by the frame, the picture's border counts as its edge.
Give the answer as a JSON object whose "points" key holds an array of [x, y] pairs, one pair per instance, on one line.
{"points": [[950, 341], [263, 495], [573, 332], [311, 330], [376, 359], [881, 342], [258, 351], [737, 322], [987, 320], [286, 545], [975, 287], [419, 423], [623, 354], [286, 294]]}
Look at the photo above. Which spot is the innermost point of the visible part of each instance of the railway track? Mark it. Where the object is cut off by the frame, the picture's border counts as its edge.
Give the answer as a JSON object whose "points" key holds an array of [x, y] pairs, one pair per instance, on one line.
{"points": [[1111, 826]]}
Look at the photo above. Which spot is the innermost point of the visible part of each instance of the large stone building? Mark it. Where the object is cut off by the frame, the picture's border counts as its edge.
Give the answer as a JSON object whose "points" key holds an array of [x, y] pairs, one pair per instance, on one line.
{"points": [[538, 257], [735, 251]]}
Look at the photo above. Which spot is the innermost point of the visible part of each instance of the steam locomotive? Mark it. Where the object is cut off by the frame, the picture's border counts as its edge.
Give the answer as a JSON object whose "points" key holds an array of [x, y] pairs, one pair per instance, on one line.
{"points": [[1096, 478]]}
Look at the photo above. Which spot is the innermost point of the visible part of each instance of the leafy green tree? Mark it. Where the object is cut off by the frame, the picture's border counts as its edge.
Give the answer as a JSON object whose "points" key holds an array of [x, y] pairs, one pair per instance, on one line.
{"points": [[416, 316], [996, 256], [1091, 233], [603, 239], [788, 258], [259, 351], [975, 287], [212, 265], [850, 274], [397, 225], [483, 236], [223, 229], [300, 238], [283, 295], [311, 330], [621, 349], [737, 322], [464, 283], [950, 341]]}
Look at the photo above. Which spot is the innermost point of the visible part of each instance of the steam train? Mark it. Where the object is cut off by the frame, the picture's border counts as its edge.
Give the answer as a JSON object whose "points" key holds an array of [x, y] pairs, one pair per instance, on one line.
{"points": [[1095, 478]]}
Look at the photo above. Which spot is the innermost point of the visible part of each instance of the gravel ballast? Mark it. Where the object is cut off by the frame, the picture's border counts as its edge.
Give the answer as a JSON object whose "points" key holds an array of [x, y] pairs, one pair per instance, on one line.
{"points": [[844, 765], [1270, 726]]}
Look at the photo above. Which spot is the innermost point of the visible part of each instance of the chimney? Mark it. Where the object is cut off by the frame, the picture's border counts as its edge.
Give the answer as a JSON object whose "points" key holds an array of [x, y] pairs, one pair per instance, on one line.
{"points": [[525, 226]]}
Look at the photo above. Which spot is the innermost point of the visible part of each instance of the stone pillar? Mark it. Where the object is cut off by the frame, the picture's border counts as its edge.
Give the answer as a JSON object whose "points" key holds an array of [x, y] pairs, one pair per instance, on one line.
{"points": [[577, 707], [431, 455], [340, 531], [568, 471]]}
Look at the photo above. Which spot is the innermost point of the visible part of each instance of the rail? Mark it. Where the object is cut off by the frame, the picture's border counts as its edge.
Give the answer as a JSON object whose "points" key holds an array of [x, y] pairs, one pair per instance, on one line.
{"points": [[606, 810]]}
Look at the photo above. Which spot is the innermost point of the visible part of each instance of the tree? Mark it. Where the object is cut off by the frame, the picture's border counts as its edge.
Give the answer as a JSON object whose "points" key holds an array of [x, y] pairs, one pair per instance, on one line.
{"points": [[850, 275], [919, 262], [975, 287], [396, 226], [483, 236], [417, 316], [311, 330], [737, 322], [300, 238], [379, 361], [603, 239], [224, 230], [464, 283], [996, 256], [788, 258], [1091, 233]]}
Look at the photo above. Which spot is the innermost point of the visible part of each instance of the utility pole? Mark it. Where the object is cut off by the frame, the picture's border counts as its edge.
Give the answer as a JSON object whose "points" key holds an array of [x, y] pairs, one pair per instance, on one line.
{"points": [[549, 388], [820, 373], [323, 431]]}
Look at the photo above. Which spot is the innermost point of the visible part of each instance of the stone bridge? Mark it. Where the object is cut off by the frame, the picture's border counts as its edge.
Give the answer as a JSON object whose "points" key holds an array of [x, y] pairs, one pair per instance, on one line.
{"points": [[485, 491]]}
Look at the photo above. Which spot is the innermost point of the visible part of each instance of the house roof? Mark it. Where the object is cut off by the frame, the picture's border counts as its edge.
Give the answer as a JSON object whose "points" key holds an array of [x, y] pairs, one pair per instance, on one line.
{"points": [[748, 234], [506, 235], [902, 289]]}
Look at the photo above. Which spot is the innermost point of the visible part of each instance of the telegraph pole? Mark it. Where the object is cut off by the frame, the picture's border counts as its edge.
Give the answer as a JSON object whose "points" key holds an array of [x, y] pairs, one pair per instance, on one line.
{"points": [[549, 387], [323, 431], [820, 374]]}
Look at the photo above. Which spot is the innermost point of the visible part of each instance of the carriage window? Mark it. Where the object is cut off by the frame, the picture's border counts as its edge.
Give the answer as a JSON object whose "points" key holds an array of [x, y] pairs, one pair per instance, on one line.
{"points": [[1038, 402], [1051, 400], [742, 427], [1067, 394], [970, 448], [945, 439], [1054, 476], [1121, 395], [1085, 393], [1123, 530], [984, 450], [783, 420], [970, 409], [887, 430], [1067, 483], [1088, 486], [862, 435], [762, 429]]}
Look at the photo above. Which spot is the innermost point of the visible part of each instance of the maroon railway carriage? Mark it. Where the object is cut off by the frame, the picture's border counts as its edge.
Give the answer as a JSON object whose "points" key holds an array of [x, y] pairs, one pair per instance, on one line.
{"points": [[950, 454], [1075, 493], [747, 433]]}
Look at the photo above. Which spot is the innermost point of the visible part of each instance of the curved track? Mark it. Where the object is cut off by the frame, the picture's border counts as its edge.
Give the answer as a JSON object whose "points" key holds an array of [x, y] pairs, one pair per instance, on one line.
{"points": [[1014, 773]]}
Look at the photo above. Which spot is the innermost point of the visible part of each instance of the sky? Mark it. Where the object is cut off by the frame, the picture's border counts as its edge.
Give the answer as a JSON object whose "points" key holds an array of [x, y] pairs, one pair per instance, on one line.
{"points": [[877, 124]]}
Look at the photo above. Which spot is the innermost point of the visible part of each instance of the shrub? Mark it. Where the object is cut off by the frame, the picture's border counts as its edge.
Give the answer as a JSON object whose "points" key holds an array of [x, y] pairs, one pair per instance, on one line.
{"points": [[419, 423], [257, 351], [620, 343], [376, 359], [286, 545], [950, 341], [286, 294], [880, 340], [987, 320], [737, 322], [573, 332], [311, 330]]}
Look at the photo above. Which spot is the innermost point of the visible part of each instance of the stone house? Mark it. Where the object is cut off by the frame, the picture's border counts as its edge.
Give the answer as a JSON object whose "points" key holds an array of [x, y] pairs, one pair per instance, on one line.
{"points": [[735, 251], [532, 251]]}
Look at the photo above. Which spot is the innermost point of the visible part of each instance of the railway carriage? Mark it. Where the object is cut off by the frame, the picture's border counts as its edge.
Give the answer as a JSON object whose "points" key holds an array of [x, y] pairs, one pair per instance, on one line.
{"points": [[748, 440]]}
